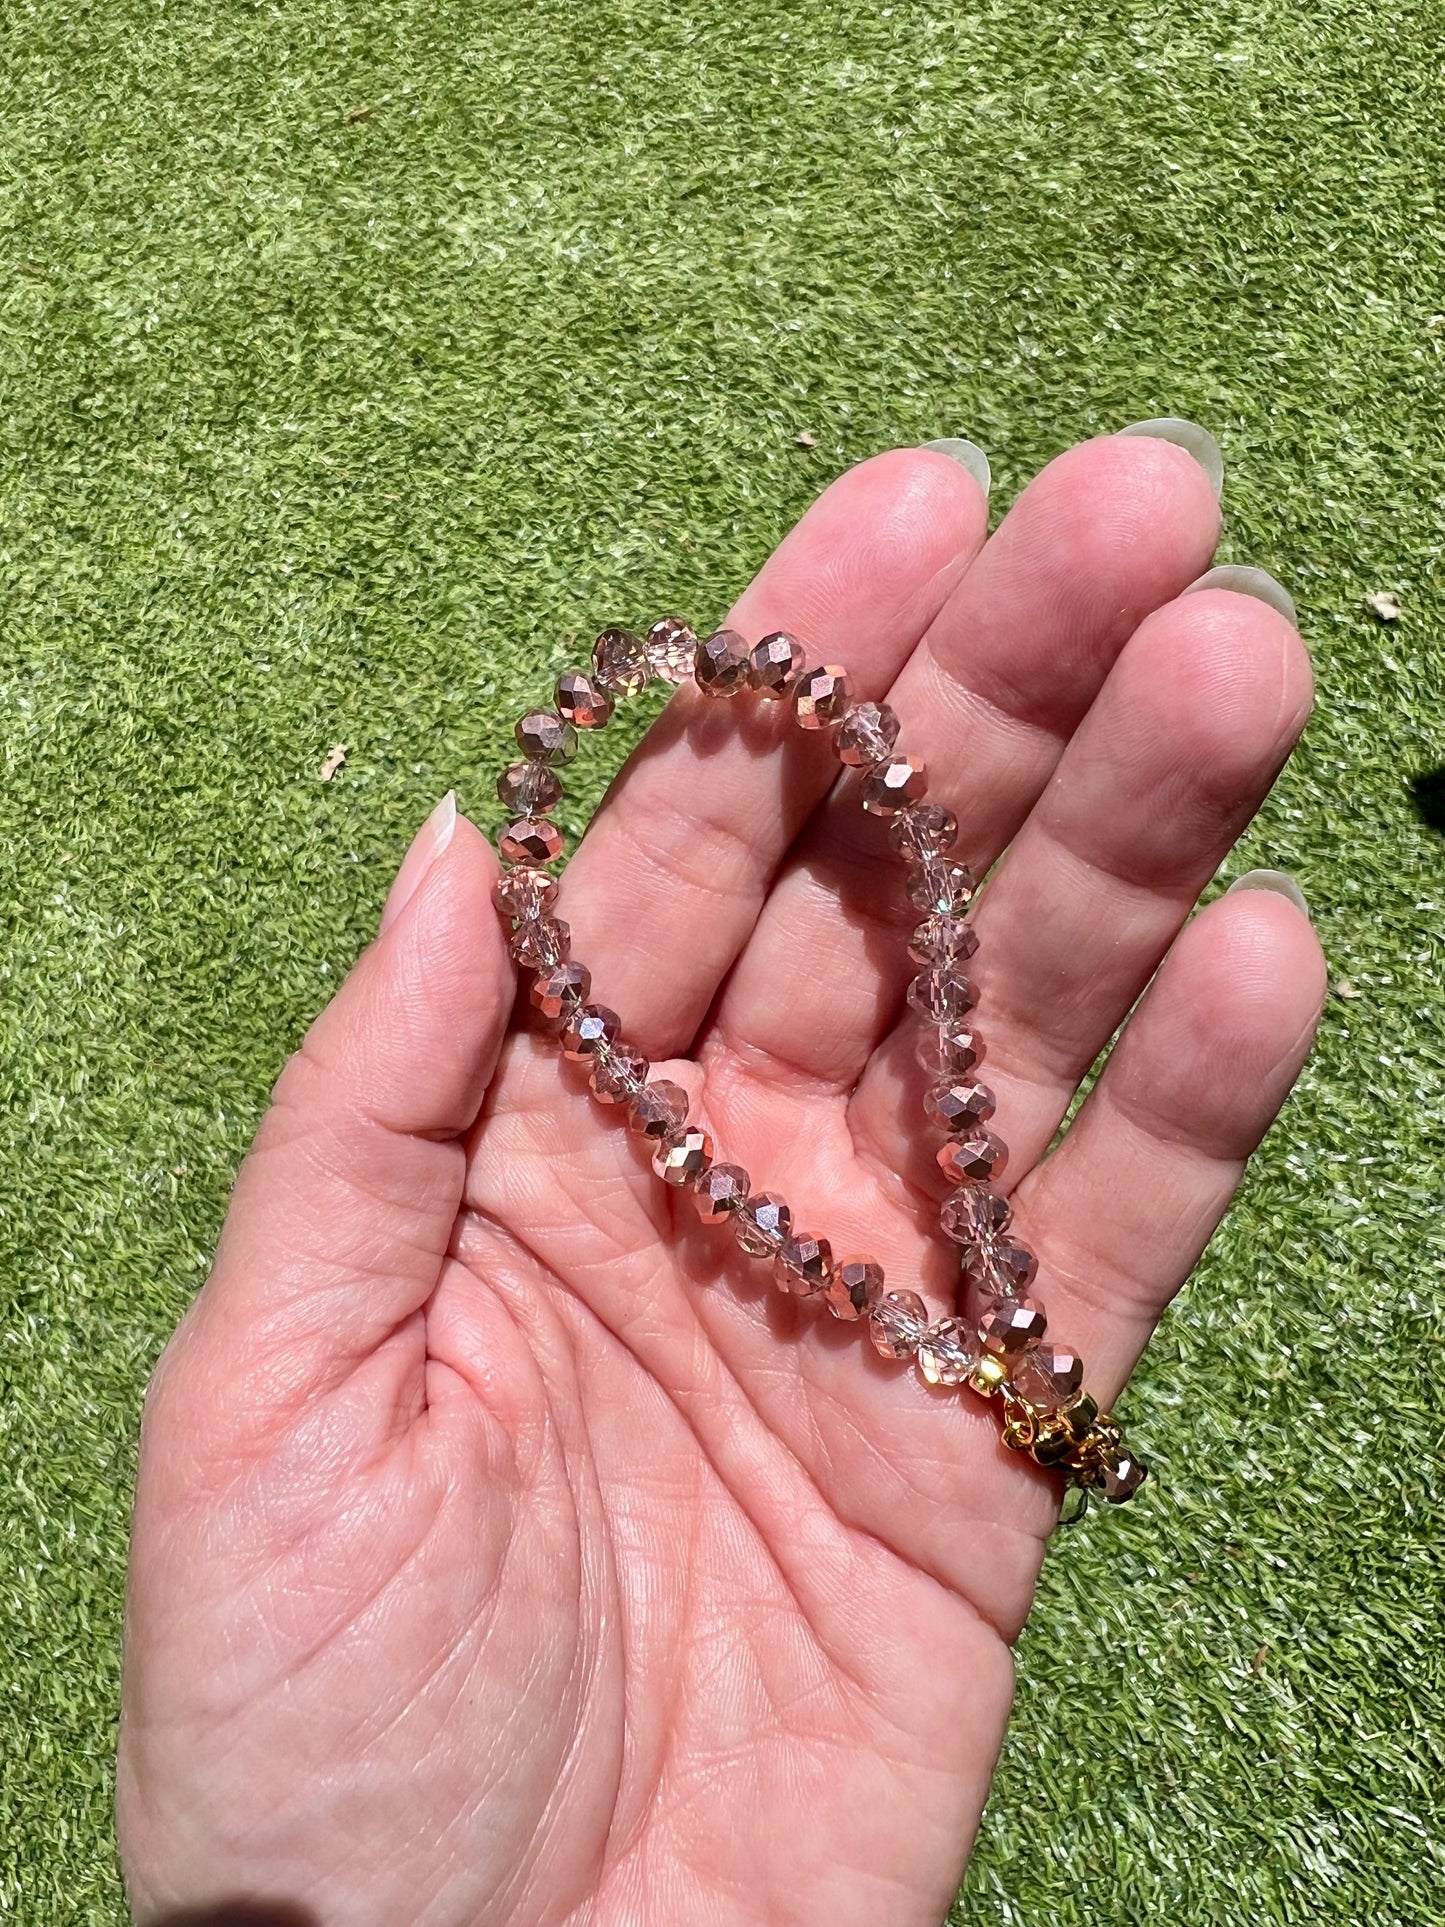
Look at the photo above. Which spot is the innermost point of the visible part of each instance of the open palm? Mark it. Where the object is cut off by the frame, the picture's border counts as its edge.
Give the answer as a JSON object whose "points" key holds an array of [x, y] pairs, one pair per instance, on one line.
{"points": [[506, 1551]]}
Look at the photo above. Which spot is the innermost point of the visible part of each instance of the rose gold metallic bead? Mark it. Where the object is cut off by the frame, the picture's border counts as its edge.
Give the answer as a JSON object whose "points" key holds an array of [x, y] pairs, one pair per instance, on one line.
{"points": [[947, 1352], [897, 1323], [557, 992], [943, 995], [892, 786], [582, 700], [540, 942], [619, 661], [546, 737], [974, 1215], [949, 1052], [670, 646], [529, 789], [803, 1265], [1121, 1475], [821, 697], [659, 1109], [720, 664], [923, 830], [1001, 1269], [764, 1224], [1048, 1376], [530, 839], [617, 1074], [524, 892], [854, 1288], [980, 1158], [775, 664], [589, 1029], [940, 886], [721, 1191], [683, 1157], [958, 1107], [866, 735], [1010, 1326], [943, 940]]}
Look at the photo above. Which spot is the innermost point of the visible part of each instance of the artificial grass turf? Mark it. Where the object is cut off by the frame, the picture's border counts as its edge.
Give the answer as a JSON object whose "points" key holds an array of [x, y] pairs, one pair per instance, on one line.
{"points": [[359, 357]]}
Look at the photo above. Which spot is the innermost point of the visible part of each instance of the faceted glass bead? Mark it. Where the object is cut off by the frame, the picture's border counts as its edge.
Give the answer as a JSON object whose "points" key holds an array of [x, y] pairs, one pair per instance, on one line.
{"points": [[942, 994], [866, 735], [557, 992], [974, 1216], [940, 886], [892, 786], [1048, 1376], [1123, 1475], [589, 1029], [671, 645], [546, 737], [821, 697], [524, 892], [541, 942], [924, 829], [1010, 1326], [897, 1323], [764, 1224], [683, 1157], [618, 1074], [854, 1288], [957, 1106], [619, 661], [949, 1052], [947, 1352], [528, 789], [530, 839], [776, 664], [979, 1158], [804, 1265], [1001, 1269], [721, 663], [943, 940], [582, 700], [720, 1191], [659, 1109]]}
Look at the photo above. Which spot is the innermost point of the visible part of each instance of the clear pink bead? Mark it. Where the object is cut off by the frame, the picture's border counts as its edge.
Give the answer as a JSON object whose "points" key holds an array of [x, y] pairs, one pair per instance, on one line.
{"points": [[947, 1352], [721, 1191], [764, 1224], [557, 992], [671, 645], [943, 940], [720, 664], [546, 737], [897, 1323], [683, 1157], [866, 735], [974, 1216], [618, 1074], [524, 892], [659, 1109], [1001, 1269], [943, 994], [959, 1106], [582, 700], [980, 1158], [589, 1029], [804, 1265], [1123, 1475], [950, 1052], [619, 661], [529, 789], [775, 664], [821, 697], [530, 839], [1011, 1326], [540, 942], [1048, 1376], [941, 887], [890, 787], [854, 1288], [923, 830]]}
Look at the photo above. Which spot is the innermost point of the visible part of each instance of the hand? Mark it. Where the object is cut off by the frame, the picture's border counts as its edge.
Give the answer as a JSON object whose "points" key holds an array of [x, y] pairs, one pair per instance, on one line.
{"points": [[505, 1551]]}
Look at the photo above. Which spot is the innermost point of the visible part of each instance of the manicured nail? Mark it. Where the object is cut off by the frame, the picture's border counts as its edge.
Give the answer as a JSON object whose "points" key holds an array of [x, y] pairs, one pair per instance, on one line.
{"points": [[1243, 580], [427, 845], [969, 454], [1189, 436], [1280, 881]]}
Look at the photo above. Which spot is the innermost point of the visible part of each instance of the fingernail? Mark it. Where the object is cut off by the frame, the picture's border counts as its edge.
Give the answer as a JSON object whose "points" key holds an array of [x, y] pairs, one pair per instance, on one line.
{"points": [[427, 845], [969, 454], [1280, 881], [1189, 436], [1243, 580]]}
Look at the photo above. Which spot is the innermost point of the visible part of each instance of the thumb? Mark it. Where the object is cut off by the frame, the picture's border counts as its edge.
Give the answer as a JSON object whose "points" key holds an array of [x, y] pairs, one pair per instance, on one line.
{"points": [[344, 1207]]}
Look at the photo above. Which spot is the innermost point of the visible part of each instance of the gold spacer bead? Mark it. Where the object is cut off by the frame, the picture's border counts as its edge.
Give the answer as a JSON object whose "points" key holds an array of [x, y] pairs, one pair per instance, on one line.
{"points": [[989, 1376], [1053, 1441], [1079, 1415]]}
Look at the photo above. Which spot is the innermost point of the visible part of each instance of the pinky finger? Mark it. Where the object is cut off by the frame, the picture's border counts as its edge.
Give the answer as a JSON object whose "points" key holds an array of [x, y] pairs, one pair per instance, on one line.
{"points": [[1122, 1210]]}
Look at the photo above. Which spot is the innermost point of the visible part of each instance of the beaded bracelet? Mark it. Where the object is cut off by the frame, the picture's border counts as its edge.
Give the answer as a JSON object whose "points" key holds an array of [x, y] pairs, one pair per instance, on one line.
{"points": [[1003, 1351]]}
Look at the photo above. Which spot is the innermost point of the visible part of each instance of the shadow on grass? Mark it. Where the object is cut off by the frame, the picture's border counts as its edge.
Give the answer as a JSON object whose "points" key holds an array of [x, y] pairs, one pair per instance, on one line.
{"points": [[1428, 791]]}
